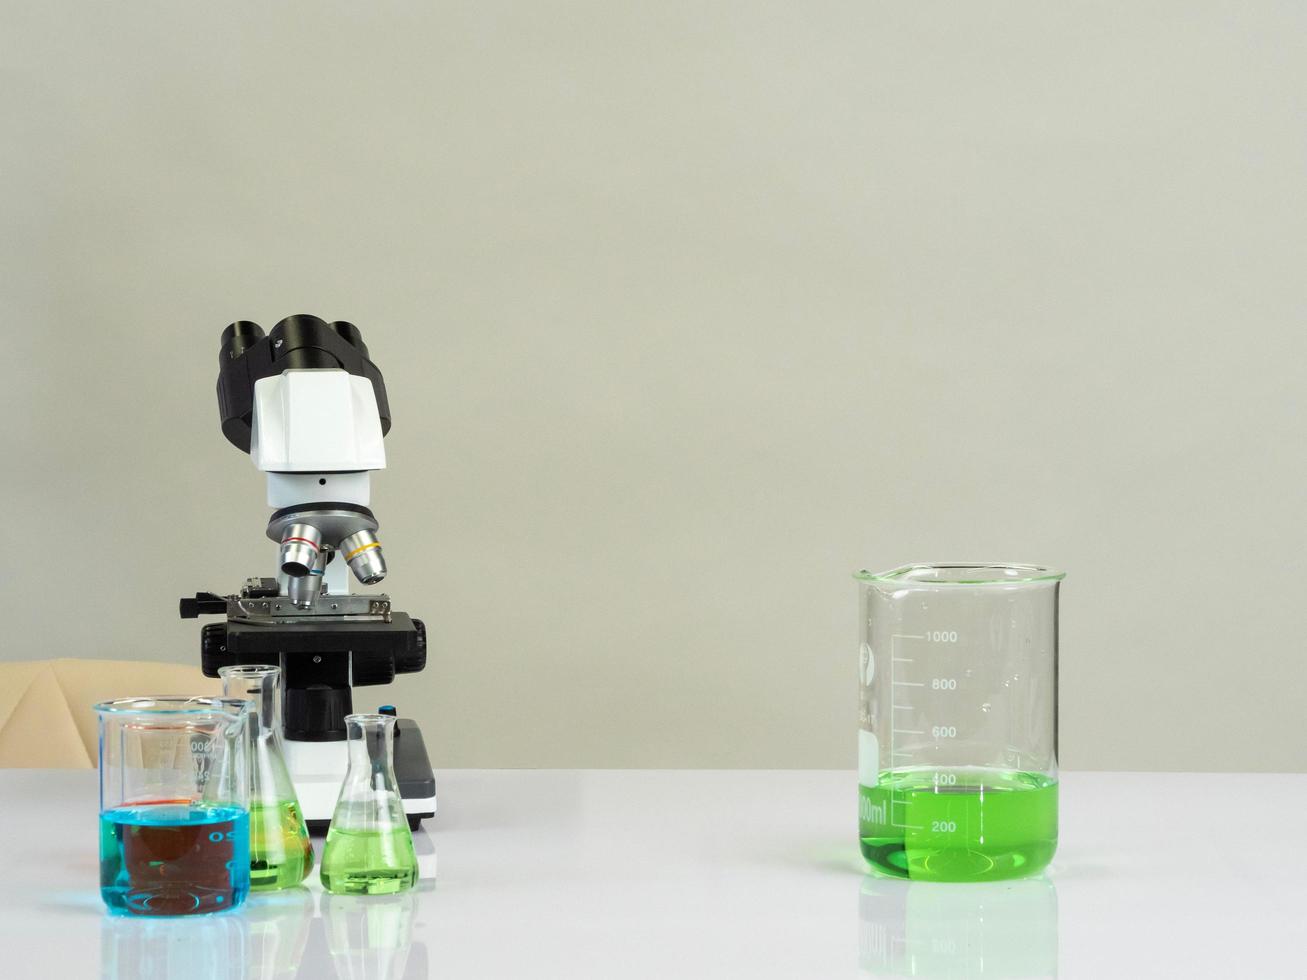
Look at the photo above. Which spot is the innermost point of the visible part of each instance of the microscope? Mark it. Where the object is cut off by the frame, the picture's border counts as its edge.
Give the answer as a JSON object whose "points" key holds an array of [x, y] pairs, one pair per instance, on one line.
{"points": [[310, 408]]}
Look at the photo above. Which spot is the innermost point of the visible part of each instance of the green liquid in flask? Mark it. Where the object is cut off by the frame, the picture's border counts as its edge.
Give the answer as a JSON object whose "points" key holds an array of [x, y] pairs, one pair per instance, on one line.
{"points": [[280, 853], [368, 862], [958, 824]]}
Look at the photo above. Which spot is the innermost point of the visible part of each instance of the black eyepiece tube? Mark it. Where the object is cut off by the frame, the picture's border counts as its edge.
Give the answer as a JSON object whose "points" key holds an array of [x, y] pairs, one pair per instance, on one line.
{"points": [[237, 339], [351, 335], [301, 341]]}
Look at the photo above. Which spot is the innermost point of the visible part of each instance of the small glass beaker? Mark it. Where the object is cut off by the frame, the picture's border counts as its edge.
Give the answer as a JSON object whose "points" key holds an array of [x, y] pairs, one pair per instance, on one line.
{"points": [[280, 853], [174, 804], [369, 849], [957, 752]]}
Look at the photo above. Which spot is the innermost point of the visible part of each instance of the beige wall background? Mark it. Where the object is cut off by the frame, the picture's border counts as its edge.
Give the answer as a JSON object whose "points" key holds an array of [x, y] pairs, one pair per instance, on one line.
{"points": [[685, 312]]}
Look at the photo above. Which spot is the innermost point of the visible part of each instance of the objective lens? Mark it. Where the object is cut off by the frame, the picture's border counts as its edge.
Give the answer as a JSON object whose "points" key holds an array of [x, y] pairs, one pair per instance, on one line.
{"points": [[363, 552], [299, 549], [304, 589]]}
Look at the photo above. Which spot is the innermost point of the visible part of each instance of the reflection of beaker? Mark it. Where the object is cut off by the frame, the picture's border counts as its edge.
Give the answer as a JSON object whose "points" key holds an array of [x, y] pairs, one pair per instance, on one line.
{"points": [[987, 929], [279, 925], [204, 947], [369, 849], [369, 936], [280, 853]]}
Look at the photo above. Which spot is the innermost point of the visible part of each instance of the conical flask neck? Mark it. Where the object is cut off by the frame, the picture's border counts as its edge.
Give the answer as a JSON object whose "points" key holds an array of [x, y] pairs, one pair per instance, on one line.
{"points": [[371, 747], [261, 686]]}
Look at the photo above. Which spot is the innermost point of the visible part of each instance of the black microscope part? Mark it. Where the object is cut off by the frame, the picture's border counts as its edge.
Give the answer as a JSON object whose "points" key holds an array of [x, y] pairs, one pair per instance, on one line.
{"points": [[321, 661], [203, 604], [262, 588], [303, 341]]}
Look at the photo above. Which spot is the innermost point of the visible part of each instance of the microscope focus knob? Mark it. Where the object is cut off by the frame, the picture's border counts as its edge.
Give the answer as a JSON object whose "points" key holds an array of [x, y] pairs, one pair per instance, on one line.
{"points": [[372, 668], [411, 661], [213, 649]]}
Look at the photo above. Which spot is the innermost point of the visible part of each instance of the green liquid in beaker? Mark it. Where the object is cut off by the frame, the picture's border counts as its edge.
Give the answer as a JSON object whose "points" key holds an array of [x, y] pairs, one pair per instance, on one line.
{"points": [[958, 824], [280, 853], [368, 862]]}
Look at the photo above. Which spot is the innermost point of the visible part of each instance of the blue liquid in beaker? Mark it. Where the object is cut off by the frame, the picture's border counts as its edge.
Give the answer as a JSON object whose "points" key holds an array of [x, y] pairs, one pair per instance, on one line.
{"points": [[174, 858]]}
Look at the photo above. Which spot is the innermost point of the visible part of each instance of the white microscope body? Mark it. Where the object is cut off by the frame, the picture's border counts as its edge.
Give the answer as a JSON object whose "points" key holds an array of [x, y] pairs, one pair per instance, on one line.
{"points": [[317, 435]]}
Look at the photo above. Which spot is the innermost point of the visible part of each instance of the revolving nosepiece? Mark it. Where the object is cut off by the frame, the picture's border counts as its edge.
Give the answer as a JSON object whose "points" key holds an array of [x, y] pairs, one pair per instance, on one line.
{"points": [[300, 544], [363, 552]]}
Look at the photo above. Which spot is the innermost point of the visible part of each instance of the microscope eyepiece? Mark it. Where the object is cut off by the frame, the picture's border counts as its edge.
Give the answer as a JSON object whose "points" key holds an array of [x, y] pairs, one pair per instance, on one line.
{"points": [[350, 334], [363, 552], [237, 339], [300, 544], [248, 355]]}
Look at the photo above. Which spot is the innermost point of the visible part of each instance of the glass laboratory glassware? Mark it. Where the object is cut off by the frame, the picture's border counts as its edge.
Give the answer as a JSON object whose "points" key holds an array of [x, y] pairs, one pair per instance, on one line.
{"points": [[174, 804], [279, 924], [166, 947], [371, 937], [1001, 929], [957, 748], [369, 849], [280, 853]]}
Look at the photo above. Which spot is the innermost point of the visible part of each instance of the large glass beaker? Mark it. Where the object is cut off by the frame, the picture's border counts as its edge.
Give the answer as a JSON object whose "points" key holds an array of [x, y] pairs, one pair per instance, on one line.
{"points": [[957, 752], [174, 804]]}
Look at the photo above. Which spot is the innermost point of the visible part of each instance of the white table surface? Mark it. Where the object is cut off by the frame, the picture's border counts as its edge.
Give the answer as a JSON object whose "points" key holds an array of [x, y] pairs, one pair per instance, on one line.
{"points": [[555, 873]]}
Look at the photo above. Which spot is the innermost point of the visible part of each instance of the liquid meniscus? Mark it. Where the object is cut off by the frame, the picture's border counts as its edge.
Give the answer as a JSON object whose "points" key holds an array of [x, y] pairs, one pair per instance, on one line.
{"points": [[368, 862], [958, 824], [280, 853], [174, 858]]}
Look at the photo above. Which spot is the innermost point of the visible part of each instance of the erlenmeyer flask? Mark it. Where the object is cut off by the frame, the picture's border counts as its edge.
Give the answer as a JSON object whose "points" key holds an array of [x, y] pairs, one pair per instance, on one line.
{"points": [[369, 849], [280, 853]]}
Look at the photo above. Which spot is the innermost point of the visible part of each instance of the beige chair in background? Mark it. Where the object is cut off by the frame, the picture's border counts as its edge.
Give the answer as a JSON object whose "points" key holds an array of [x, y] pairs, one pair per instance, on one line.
{"points": [[46, 716]]}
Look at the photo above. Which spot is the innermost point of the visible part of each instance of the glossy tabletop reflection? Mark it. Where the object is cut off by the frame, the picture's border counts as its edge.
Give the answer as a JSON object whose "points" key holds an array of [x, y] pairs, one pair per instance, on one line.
{"points": [[702, 874]]}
